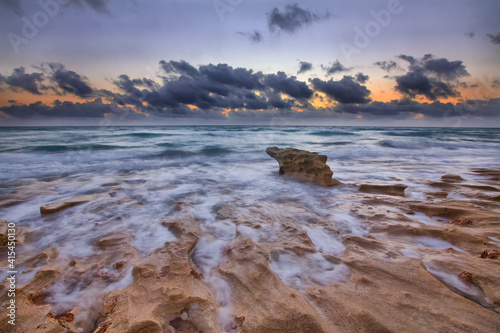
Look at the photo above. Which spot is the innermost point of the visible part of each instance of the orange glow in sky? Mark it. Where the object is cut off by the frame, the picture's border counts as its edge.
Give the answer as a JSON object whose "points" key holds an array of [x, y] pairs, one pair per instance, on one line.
{"points": [[27, 98]]}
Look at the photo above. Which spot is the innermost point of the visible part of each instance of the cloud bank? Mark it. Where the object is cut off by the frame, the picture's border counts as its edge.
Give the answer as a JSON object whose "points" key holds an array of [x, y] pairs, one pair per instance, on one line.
{"points": [[222, 92]]}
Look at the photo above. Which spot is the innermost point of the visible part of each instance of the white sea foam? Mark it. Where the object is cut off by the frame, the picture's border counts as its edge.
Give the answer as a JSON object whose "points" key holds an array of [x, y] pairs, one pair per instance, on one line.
{"points": [[325, 241], [494, 239], [123, 283], [266, 233], [410, 253], [347, 224], [82, 293], [152, 238], [452, 281], [432, 243], [207, 256], [455, 195], [421, 217], [224, 230], [301, 271], [24, 277], [424, 241]]}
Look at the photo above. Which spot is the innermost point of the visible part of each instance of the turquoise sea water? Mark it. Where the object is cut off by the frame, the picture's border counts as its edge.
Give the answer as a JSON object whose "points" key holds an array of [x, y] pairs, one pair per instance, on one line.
{"points": [[37, 152], [160, 166], [70, 161]]}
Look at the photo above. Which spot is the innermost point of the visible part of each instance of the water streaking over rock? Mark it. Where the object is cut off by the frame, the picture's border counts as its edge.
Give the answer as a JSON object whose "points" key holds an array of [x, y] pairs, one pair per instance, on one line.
{"points": [[188, 229]]}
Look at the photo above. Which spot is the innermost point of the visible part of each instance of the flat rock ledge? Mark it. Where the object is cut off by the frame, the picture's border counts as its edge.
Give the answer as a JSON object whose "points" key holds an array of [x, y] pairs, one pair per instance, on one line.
{"points": [[397, 190], [66, 203], [303, 164]]}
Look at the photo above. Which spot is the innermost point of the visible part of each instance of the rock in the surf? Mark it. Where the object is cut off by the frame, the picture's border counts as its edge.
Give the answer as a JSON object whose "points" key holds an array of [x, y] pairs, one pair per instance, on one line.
{"points": [[66, 203], [303, 164]]}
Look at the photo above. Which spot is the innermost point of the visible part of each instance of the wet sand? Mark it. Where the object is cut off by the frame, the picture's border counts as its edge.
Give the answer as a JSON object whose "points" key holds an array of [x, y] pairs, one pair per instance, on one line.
{"points": [[429, 265]]}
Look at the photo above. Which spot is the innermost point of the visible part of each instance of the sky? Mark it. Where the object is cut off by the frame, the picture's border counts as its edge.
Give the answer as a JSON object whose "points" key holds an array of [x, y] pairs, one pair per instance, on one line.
{"points": [[336, 62]]}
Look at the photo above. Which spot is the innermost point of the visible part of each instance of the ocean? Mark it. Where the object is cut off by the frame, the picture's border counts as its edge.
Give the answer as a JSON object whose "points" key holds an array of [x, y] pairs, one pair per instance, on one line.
{"points": [[160, 166], [153, 168]]}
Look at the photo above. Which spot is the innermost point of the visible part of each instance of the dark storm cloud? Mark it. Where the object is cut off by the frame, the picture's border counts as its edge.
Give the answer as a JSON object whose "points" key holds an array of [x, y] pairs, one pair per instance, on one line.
{"points": [[495, 39], [443, 68], [304, 67], [14, 5], [237, 77], [386, 65], [19, 79], [336, 67], [417, 83], [288, 85], [93, 109], [133, 95], [345, 91], [407, 109], [181, 91], [292, 18], [440, 67], [430, 77], [100, 6], [69, 81], [398, 109], [278, 103], [361, 78], [470, 34], [254, 36], [184, 84], [179, 67], [210, 88], [407, 58], [128, 85]]}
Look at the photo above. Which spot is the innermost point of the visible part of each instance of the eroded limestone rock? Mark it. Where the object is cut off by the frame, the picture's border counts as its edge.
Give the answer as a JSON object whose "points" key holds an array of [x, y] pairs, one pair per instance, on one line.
{"points": [[303, 164]]}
